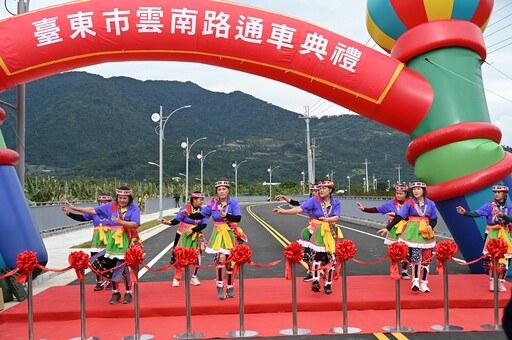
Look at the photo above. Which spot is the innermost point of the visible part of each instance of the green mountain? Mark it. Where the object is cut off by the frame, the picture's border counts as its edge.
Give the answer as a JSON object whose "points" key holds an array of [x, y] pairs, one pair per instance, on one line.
{"points": [[83, 125]]}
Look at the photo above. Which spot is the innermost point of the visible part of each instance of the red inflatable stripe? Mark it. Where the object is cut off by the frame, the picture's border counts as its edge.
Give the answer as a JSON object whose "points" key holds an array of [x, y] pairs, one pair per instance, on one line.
{"points": [[8, 156], [451, 134], [436, 34], [472, 182]]}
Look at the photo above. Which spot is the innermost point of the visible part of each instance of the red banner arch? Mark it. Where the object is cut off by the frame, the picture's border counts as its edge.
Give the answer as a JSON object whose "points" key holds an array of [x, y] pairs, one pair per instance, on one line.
{"points": [[83, 33]]}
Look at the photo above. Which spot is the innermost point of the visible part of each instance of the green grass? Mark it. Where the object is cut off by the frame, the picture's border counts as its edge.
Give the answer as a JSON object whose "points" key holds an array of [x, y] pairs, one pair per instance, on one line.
{"points": [[143, 226]]}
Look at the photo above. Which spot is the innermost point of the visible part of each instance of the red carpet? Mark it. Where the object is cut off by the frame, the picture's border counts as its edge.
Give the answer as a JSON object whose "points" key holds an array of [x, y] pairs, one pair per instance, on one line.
{"points": [[371, 306]]}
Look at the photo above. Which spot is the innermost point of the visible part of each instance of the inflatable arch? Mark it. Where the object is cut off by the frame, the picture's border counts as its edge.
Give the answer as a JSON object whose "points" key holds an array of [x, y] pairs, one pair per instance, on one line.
{"points": [[455, 149]]}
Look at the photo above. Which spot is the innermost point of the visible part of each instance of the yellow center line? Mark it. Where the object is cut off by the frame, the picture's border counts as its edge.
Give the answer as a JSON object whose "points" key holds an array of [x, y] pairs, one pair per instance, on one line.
{"points": [[278, 236]]}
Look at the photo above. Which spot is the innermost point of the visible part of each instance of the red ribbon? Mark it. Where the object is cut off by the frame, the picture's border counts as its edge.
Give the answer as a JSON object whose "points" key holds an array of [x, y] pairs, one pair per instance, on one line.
{"points": [[79, 261], [241, 254], [445, 250], [26, 262], [396, 251], [293, 254], [133, 257]]}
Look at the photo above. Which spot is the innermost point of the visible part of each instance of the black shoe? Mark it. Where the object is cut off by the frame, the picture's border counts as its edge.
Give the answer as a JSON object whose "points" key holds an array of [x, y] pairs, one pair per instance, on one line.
{"points": [[127, 298], [406, 276], [316, 286], [328, 289], [115, 298], [99, 286], [109, 285], [308, 278]]}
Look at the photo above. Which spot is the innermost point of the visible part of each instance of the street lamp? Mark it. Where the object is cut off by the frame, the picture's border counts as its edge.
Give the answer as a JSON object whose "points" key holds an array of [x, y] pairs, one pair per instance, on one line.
{"points": [[303, 180], [349, 177], [236, 166], [187, 148], [270, 179], [201, 159], [158, 118]]}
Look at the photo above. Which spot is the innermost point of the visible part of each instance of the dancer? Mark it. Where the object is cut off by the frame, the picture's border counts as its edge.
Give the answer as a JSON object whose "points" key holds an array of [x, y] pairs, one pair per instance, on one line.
{"points": [[226, 214], [188, 235], [124, 219], [305, 234], [496, 213], [324, 211], [391, 208], [418, 234], [98, 240]]}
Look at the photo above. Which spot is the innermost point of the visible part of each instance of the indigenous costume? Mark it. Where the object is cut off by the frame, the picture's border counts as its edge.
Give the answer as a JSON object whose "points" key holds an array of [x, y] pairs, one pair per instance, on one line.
{"points": [[392, 207], [99, 240], [226, 234], [118, 241], [322, 235], [195, 240], [305, 235], [416, 235], [497, 227]]}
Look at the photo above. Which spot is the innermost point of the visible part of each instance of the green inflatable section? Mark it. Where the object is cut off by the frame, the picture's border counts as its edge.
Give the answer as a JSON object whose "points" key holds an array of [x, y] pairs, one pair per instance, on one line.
{"points": [[457, 159], [456, 77]]}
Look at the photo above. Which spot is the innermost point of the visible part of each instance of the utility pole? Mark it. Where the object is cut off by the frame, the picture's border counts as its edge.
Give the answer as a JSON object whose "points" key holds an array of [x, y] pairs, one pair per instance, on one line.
{"points": [[367, 182], [311, 171], [313, 156], [20, 115], [399, 179]]}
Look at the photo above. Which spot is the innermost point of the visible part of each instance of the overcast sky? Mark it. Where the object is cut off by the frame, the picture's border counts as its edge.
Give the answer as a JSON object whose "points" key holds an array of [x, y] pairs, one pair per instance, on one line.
{"points": [[343, 17]]}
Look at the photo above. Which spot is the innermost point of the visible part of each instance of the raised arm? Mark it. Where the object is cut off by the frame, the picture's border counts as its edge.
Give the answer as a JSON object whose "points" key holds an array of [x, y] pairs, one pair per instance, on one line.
{"points": [[83, 210]]}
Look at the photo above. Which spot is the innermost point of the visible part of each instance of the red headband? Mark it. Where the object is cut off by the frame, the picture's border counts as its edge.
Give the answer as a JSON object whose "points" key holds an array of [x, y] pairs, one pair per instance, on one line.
{"points": [[105, 198], [123, 192], [500, 187], [417, 184], [328, 184], [197, 195], [222, 184], [401, 187]]}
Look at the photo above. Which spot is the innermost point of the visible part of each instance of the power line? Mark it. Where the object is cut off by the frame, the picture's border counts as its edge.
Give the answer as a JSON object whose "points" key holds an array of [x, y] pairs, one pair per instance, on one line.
{"points": [[469, 81], [499, 48], [499, 42], [491, 65], [496, 11]]}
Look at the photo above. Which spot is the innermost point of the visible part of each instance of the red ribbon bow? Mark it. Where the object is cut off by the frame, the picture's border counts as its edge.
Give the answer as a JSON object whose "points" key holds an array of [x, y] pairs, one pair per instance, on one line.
{"points": [[185, 256], [79, 261], [133, 258], [293, 254], [497, 248], [241, 254], [445, 250], [26, 262], [396, 251], [345, 251]]}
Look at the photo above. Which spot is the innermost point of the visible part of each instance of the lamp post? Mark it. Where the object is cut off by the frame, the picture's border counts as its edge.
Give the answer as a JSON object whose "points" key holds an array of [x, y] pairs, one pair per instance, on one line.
{"points": [[270, 179], [236, 165], [348, 178], [158, 117], [187, 148], [303, 180], [201, 158]]}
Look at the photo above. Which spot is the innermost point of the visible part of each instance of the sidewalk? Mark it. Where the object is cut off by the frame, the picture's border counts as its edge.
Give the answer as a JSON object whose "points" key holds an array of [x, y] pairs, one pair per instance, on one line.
{"points": [[59, 246]]}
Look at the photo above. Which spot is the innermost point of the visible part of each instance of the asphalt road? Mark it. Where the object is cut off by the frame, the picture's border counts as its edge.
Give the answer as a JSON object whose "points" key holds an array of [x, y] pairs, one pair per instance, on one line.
{"points": [[269, 233]]}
